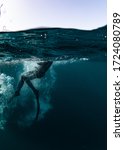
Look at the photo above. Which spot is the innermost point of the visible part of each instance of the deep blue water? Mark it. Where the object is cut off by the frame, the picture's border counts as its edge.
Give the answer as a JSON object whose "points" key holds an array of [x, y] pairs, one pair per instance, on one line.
{"points": [[73, 94]]}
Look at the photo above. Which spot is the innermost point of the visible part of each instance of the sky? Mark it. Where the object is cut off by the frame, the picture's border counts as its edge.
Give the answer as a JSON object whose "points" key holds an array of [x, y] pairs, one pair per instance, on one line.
{"points": [[79, 14]]}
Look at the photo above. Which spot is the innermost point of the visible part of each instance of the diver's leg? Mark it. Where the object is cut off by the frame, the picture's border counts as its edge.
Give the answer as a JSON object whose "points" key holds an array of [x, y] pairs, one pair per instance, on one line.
{"points": [[26, 78], [38, 110], [35, 91], [20, 85]]}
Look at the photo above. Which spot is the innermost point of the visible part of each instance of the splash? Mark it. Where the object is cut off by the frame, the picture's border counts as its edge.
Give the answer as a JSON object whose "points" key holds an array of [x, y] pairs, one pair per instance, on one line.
{"points": [[6, 90]]}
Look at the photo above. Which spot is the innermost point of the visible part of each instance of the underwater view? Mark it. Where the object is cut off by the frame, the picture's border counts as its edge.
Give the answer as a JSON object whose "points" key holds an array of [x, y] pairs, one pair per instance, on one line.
{"points": [[72, 93]]}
